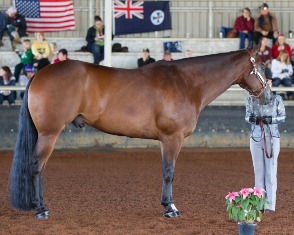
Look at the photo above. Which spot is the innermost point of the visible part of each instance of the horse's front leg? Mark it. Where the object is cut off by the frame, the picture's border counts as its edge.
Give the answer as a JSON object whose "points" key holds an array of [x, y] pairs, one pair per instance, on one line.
{"points": [[169, 151]]}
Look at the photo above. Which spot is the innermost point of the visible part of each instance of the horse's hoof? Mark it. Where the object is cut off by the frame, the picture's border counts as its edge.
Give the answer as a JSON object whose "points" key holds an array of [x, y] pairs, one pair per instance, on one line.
{"points": [[171, 214], [42, 215]]}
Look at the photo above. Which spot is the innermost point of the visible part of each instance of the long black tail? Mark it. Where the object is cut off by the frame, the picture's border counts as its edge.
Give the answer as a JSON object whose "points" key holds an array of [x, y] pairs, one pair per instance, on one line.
{"points": [[21, 184]]}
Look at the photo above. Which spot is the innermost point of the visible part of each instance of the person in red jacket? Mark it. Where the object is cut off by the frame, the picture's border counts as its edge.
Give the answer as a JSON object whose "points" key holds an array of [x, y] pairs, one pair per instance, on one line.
{"points": [[281, 45], [244, 25]]}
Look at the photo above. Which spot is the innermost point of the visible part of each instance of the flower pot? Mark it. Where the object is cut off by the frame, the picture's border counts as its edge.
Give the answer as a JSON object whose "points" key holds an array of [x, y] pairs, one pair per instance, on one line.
{"points": [[246, 229]]}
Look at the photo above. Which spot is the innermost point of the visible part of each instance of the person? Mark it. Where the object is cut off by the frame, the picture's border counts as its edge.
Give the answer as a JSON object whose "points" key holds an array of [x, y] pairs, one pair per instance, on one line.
{"points": [[282, 71], [16, 26], [7, 79], [26, 57], [167, 56], [265, 24], [61, 56], [53, 52], [95, 40], [188, 53], [41, 49], [265, 52], [146, 59], [244, 25], [264, 118], [281, 45], [3, 23], [29, 72]]}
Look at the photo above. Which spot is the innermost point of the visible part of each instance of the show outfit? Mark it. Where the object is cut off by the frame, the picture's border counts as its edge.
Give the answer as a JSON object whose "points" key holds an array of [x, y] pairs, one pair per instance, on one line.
{"points": [[242, 24], [142, 62], [95, 47], [276, 51], [265, 142], [11, 96], [26, 57], [265, 22]]}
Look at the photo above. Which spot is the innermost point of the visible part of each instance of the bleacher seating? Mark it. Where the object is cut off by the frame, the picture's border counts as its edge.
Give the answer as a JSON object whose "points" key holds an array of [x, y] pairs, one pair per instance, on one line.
{"points": [[198, 46]]}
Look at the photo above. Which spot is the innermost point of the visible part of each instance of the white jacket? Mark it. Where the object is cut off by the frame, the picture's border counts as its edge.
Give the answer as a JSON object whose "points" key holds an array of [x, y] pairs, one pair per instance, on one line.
{"points": [[278, 66]]}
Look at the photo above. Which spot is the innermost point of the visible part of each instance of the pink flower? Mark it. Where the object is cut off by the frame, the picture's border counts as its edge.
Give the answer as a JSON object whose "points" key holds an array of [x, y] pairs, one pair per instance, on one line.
{"points": [[232, 196], [258, 192], [245, 192]]}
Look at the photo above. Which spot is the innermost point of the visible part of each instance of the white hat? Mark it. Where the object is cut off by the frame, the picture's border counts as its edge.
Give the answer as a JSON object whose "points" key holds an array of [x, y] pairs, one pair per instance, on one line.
{"points": [[11, 10]]}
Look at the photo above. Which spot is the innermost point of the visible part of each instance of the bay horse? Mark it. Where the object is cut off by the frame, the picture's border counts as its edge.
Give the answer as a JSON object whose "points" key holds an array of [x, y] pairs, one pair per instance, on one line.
{"points": [[161, 101]]}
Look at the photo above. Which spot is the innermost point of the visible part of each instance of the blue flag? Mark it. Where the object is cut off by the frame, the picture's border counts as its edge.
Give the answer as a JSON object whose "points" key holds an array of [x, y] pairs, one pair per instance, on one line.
{"points": [[140, 16]]}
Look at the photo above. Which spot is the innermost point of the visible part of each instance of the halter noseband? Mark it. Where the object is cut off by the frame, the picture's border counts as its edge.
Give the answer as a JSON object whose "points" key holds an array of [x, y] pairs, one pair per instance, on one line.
{"points": [[258, 75]]}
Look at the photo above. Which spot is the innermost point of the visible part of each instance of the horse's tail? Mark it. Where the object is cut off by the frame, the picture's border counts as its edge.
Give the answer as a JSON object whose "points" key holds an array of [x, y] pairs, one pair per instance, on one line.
{"points": [[21, 184]]}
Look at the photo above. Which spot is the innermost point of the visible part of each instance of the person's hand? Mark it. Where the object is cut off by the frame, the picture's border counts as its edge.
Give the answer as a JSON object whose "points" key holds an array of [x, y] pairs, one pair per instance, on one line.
{"points": [[276, 34], [267, 119], [252, 119], [6, 93], [245, 31], [281, 47]]}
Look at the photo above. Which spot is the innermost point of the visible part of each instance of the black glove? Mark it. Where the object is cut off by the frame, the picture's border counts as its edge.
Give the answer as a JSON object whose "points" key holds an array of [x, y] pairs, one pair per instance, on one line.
{"points": [[252, 119], [267, 119], [285, 71]]}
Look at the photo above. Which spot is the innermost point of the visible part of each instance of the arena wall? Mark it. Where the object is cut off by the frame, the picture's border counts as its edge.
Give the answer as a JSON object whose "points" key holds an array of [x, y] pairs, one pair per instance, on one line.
{"points": [[218, 126]]}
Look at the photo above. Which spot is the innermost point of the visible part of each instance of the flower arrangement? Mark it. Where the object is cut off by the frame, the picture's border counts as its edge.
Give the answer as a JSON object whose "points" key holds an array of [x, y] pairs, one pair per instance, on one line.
{"points": [[247, 205]]}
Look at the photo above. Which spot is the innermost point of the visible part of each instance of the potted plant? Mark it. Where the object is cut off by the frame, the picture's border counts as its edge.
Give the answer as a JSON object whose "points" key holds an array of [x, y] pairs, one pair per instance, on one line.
{"points": [[246, 207]]}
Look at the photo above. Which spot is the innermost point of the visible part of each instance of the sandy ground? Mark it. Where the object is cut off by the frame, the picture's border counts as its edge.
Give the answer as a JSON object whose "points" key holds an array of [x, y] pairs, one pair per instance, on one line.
{"points": [[118, 192]]}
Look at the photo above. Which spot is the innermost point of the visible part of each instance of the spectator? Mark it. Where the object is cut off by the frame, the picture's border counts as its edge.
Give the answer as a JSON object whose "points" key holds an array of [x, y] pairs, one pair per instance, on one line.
{"points": [[26, 57], [265, 25], [146, 59], [3, 23], [95, 40], [7, 79], [29, 72], [61, 56], [188, 53], [244, 25], [265, 52], [41, 49], [167, 56], [16, 26], [281, 45], [282, 71], [53, 52]]}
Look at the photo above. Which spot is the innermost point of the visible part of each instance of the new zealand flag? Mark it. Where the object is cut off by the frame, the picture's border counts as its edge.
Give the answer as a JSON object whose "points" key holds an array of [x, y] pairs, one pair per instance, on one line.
{"points": [[140, 16]]}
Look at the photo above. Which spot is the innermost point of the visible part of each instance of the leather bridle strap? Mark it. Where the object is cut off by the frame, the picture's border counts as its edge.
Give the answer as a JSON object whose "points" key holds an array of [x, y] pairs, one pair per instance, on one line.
{"points": [[264, 140]]}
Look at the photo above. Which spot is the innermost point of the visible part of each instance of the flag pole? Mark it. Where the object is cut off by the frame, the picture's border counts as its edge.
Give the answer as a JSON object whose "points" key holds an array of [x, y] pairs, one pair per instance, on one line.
{"points": [[108, 32]]}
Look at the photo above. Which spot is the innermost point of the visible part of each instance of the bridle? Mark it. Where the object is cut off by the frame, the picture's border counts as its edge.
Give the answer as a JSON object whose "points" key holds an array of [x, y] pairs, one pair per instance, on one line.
{"points": [[259, 77]]}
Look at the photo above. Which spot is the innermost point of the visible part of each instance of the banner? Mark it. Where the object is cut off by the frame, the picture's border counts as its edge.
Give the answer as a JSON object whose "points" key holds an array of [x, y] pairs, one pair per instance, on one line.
{"points": [[47, 15], [140, 16]]}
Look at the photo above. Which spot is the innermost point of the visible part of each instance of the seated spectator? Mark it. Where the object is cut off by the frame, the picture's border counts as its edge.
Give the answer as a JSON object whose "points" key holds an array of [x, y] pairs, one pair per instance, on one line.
{"points": [[265, 25], [29, 71], [41, 49], [282, 71], [3, 23], [188, 53], [26, 57], [53, 52], [146, 59], [265, 52], [167, 56], [16, 26], [95, 40], [7, 79], [281, 45], [244, 25], [61, 56]]}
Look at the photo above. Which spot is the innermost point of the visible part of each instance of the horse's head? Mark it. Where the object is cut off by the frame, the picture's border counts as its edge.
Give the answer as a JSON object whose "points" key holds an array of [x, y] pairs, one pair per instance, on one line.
{"points": [[254, 81]]}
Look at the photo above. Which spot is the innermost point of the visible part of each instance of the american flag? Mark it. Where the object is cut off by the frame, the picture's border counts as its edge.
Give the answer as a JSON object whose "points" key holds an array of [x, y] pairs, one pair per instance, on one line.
{"points": [[128, 9], [47, 15]]}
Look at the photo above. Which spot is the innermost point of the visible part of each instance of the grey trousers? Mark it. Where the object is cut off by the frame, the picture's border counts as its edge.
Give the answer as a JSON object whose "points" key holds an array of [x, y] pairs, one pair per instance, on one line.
{"points": [[265, 169]]}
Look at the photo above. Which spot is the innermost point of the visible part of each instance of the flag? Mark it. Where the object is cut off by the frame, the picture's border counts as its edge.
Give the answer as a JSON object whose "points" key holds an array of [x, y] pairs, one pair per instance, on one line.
{"points": [[140, 16], [47, 15]]}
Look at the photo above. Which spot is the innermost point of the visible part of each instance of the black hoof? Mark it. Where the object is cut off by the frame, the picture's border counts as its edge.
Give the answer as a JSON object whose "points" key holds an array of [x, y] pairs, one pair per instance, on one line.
{"points": [[42, 215], [171, 214]]}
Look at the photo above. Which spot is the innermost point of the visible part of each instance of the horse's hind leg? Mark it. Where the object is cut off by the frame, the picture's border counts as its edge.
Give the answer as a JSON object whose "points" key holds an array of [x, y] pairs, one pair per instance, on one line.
{"points": [[170, 148], [43, 150]]}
